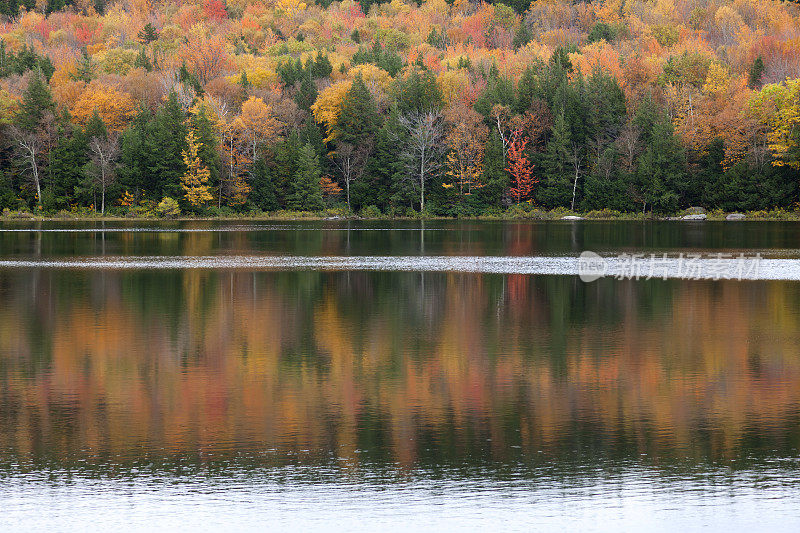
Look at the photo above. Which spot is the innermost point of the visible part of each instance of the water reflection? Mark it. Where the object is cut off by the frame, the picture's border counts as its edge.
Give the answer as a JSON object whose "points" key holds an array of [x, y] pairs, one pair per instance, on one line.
{"points": [[107, 369], [383, 238]]}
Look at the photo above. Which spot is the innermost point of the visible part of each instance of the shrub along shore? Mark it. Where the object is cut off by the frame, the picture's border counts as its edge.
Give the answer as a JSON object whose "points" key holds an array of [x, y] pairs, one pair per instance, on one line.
{"points": [[513, 213]]}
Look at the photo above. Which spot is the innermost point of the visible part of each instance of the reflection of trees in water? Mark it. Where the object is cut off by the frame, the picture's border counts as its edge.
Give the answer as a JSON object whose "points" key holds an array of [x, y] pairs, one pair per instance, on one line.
{"points": [[391, 366]]}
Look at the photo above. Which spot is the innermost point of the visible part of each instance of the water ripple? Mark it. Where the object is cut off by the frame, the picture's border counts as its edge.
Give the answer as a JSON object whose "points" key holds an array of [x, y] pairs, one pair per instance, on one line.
{"points": [[672, 268]]}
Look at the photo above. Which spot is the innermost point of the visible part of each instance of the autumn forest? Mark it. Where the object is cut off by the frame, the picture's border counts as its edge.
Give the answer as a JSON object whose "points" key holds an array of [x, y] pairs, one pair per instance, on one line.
{"points": [[214, 107]]}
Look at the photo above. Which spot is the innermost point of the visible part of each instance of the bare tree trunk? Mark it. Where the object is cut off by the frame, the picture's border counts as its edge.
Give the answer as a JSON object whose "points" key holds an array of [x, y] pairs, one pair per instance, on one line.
{"points": [[422, 148], [422, 182], [104, 151], [574, 189], [103, 186], [28, 144]]}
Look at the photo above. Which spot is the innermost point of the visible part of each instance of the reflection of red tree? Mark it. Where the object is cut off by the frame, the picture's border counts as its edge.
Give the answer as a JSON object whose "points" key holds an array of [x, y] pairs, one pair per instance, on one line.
{"points": [[517, 288]]}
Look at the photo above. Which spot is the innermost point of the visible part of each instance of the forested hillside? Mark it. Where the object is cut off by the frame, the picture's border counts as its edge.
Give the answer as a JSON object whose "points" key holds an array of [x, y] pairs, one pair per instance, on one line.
{"points": [[214, 107]]}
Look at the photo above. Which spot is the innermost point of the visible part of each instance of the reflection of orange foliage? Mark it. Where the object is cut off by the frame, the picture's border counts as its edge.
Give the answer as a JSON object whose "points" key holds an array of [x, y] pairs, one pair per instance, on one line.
{"points": [[245, 361]]}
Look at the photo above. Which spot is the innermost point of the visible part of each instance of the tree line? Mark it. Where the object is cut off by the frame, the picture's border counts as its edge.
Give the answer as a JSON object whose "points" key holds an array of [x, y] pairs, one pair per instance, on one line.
{"points": [[390, 133]]}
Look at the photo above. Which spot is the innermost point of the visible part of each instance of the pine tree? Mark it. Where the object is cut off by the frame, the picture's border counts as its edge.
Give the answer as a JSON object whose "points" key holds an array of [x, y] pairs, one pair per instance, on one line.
{"points": [[383, 182], [287, 153], [66, 164], [263, 195], [306, 192], [36, 101], [354, 133], [168, 141], [53, 6], [195, 180], [556, 189], [306, 93], [85, 69], [495, 178], [148, 34], [523, 36], [9, 8], [358, 119], [419, 92], [134, 161], [662, 168], [756, 73], [96, 127], [142, 61], [29, 133]]}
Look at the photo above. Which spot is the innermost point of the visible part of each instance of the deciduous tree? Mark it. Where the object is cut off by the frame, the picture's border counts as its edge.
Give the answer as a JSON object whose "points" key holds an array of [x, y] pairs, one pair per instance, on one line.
{"points": [[195, 180]]}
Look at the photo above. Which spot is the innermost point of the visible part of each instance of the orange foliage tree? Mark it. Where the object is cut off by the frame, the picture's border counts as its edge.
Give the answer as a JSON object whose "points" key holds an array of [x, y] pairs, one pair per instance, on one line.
{"points": [[520, 168], [114, 107]]}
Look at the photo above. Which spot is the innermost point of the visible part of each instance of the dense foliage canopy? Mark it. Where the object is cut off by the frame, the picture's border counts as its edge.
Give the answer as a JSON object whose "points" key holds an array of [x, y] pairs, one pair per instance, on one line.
{"points": [[458, 108]]}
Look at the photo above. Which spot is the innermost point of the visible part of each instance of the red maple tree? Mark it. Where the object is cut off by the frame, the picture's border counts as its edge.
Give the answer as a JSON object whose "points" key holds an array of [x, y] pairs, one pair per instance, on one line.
{"points": [[520, 168]]}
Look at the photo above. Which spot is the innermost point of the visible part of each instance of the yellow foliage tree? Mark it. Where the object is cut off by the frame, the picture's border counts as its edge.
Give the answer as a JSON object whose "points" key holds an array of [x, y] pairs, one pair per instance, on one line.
{"points": [[8, 107], [328, 105], [466, 141], [257, 125], [195, 180], [114, 107], [717, 81], [777, 105]]}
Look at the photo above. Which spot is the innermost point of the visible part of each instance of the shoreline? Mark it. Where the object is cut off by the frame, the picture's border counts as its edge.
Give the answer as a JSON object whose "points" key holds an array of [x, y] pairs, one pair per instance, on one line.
{"points": [[558, 216]]}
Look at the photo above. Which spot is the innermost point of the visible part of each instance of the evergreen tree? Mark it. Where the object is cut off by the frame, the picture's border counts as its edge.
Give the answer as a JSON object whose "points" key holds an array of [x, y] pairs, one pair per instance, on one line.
{"points": [[151, 149], [169, 140], [142, 61], [418, 92], [36, 101], [148, 34], [602, 32], [306, 93], [358, 119], [9, 8], [263, 194], [287, 153], [306, 193], [382, 183], [495, 178], [8, 196], [522, 36], [556, 185], [607, 187], [65, 169], [85, 69], [662, 168], [135, 158], [756, 73], [53, 6], [96, 127]]}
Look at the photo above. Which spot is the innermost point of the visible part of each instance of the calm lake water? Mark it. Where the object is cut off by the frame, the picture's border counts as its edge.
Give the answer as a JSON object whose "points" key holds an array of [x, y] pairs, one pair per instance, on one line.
{"points": [[320, 376]]}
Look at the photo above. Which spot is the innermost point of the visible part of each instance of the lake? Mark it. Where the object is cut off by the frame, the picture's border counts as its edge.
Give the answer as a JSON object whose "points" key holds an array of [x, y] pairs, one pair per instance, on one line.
{"points": [[366, 375]]}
